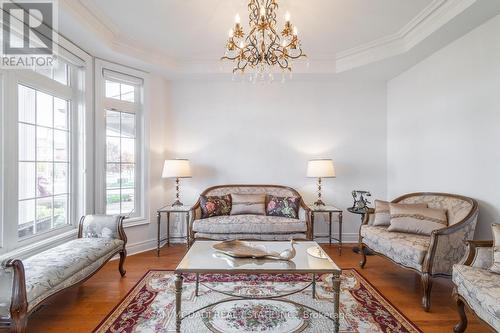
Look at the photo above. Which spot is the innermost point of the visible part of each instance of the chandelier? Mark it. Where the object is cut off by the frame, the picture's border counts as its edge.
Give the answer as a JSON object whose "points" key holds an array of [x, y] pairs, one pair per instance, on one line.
{"points": [[263, 49]]}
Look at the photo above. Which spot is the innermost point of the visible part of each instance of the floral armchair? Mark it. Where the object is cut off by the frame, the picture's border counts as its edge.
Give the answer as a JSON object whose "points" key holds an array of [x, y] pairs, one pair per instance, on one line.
{"points": [[476, 286], [430, 256]]}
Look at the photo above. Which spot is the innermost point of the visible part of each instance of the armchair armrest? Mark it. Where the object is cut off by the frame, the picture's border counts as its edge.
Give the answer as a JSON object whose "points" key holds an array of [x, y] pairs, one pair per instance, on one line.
{"points": [[305, 214], [448, 246], [368, 217], [478, 254], [102, 226]]}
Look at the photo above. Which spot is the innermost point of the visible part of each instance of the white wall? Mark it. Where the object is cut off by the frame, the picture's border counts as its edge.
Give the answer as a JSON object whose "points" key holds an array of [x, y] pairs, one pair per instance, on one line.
{"points": [[443, 123], [265, 133]]}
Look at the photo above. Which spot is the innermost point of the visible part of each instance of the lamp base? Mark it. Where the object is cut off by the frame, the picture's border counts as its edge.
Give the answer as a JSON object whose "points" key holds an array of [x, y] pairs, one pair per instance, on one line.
{"points": [[177, 203], [319, 202]]}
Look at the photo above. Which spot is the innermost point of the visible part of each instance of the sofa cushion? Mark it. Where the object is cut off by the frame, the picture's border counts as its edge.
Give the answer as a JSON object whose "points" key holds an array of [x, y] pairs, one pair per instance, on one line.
{"points": [[416, 220], [215, 205], [406, 249], [383, 212], [262, 237], [48, 269], [481, 289], [248, 204], [283, 206], [249, 224]]}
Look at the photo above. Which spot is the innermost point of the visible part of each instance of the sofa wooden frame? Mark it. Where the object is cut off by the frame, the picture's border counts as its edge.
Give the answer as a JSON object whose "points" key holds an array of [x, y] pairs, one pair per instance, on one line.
{"points": [[472, 247], [426, 275], [19, 304], [303, 205]]}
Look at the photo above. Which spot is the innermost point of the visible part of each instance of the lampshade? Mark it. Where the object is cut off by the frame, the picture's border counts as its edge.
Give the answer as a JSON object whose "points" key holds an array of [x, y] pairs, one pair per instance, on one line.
{"points": [[177, 168], [321, 168]]}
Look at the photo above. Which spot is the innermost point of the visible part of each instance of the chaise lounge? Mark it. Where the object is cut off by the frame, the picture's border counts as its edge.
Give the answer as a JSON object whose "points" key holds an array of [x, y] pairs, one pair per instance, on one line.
{"points": [[26, 284]]}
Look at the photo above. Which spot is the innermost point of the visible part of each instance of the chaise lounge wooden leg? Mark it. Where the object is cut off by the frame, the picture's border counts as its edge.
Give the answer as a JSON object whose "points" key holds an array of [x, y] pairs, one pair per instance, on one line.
{"points": [[462, 325], [19, 323], [123, 256], [362, 263], [426, 289]]}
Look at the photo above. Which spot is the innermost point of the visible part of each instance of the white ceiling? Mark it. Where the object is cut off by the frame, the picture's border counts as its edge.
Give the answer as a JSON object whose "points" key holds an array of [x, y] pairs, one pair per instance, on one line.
{"points": [[178, 37], [197, 29]]}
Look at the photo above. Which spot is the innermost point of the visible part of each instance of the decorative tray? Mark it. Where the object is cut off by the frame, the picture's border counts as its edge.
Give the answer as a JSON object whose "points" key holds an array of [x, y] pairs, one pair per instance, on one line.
{"points": [[241, 249], [317, 252]]}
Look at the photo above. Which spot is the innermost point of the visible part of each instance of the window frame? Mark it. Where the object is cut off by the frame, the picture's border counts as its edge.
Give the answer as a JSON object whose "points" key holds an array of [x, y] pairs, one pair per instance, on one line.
{"points": [[141, 109], [81, 142]]}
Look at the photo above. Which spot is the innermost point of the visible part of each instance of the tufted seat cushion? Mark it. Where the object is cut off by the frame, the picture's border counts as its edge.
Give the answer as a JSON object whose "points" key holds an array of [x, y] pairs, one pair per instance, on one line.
{"points": [[62, 266], [406, 249], [249, 224], [481, 289]]}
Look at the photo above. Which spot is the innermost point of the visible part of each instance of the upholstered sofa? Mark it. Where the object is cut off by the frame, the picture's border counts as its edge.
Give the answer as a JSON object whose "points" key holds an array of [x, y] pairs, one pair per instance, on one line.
{"points": [[250, 227], [430, 256], [476, 286], [26, 284]]}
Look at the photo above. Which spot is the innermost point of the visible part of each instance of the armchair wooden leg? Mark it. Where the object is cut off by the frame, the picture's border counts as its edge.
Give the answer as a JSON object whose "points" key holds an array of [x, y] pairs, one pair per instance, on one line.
{"points": [[123, 256], [462, 325], [426, 289], [362, 263]]}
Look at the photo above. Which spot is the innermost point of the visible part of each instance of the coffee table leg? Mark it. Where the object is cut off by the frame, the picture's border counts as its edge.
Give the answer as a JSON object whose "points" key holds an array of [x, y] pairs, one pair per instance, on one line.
{"points": [[197, 287], [178, 298], [314, 286], [336, 302]]}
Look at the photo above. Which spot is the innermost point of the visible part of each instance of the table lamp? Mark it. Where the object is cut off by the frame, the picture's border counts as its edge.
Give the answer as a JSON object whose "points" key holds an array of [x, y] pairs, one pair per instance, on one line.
{"points": [[177, 168], [320, 168]]}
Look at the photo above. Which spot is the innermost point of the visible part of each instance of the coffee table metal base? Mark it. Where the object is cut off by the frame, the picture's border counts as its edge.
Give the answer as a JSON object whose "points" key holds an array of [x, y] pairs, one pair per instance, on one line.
{"points": [[336, 301]]}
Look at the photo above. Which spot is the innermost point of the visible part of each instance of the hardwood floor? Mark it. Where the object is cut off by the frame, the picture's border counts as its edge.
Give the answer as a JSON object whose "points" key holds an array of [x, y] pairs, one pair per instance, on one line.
{"points": [[82, 308]]}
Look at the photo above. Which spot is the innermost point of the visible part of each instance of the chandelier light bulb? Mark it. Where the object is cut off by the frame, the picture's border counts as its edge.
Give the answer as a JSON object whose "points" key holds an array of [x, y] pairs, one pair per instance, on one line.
{"points": [[262, 11], [242, 44], [237, 19], [287, 17], [295, 31], [231, 33]]}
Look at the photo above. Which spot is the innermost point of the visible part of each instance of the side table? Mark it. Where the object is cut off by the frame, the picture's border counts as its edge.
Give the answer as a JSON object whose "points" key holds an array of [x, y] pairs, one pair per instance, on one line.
{"points": [[362, 213], [330, 210], [169, 210]]}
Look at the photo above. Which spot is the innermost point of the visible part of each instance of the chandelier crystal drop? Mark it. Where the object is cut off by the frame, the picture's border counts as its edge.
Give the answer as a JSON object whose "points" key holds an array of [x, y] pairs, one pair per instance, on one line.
{"points": [[264, 49]]}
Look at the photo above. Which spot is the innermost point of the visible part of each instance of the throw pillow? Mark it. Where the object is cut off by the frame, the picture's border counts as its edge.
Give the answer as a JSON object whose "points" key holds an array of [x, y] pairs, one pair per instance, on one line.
{"points": [[383, 214], [283, 206], [215, 206], [254, 204], [416, 220], [495, 268]]}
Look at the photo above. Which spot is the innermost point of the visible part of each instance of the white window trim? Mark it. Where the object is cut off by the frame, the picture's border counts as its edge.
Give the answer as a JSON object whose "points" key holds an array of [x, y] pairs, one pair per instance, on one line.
{"points": [[83, 106], [142, 144], [2, 140]]}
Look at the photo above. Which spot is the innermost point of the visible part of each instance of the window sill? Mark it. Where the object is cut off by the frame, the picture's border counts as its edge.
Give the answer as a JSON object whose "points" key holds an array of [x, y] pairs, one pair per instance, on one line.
{"points": [[40, 246]]}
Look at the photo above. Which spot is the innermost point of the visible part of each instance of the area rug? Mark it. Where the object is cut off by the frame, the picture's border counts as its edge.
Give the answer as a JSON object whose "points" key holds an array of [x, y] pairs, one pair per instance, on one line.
{"points": [[150, 306]]}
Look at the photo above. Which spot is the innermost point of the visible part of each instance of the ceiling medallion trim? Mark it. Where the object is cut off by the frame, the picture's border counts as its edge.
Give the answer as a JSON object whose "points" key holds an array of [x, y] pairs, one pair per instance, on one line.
{"points": [[263, 50]]}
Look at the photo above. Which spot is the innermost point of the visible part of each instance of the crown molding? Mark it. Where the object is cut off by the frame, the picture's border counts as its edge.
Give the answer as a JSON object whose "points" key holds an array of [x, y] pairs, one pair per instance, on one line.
{"points": [[429, 20]]}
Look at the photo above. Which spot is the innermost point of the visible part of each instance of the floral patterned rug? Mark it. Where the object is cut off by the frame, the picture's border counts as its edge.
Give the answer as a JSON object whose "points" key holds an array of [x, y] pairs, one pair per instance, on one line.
{"points": [[150, 306]]}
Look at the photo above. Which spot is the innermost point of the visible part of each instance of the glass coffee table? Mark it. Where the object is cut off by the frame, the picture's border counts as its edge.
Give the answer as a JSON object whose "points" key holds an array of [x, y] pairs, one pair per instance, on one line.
{"points": [[202, 258]]}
